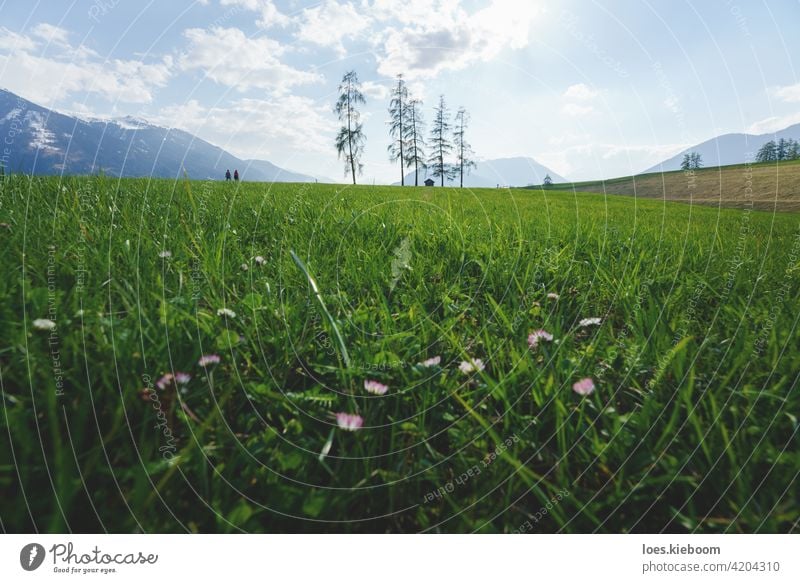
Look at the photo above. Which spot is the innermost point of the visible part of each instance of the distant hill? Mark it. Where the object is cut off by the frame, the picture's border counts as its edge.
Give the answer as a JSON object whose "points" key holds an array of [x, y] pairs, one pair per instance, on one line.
{"points": [[44, 141], [727, 149], [503, 171]]}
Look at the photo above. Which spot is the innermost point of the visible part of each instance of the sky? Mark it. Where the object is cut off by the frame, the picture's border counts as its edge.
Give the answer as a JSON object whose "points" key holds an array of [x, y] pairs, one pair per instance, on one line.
{"points": [[590, 89]]}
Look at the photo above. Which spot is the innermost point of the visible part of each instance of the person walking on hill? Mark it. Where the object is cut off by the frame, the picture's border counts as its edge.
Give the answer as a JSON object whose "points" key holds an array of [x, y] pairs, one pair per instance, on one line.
{"points": [[228, 175], [236, 175]]}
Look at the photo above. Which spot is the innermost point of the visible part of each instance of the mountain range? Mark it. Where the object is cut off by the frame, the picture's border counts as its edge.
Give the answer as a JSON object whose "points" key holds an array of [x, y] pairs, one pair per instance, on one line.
{"points": [[518, 171], [727, 149], [38, 140]]}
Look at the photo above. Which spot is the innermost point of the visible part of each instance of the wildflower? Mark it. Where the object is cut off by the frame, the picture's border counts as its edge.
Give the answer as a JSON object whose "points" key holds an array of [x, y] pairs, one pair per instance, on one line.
{"points": [[471, 366], [349, 421], [431, 362], [165, 381], [260, 260], [208, 360], [44, 324], [165, 254], [244, 266], [226, 313], [552, 296], [590, 322], [179, 378], [375, 387], [536, 335], [584, 387]]}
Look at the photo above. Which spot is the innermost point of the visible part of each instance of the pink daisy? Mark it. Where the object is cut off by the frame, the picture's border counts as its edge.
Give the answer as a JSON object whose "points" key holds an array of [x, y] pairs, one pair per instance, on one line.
{"points": [[471, 366], [536, 335], [375, 387], [165, 381], [182, 378], [208, 360], [349, 421], [584, 387], [431, 361]]}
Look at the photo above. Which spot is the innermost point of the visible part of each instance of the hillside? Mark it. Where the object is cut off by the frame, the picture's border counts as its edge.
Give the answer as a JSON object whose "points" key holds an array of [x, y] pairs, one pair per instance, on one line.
{"points": [[768, 186], [46, 142], [727, 149]]}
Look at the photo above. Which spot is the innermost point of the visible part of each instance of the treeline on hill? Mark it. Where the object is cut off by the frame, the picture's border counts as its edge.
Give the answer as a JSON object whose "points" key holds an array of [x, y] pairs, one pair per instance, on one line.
{"points": [[778, 151], [449, 155]]}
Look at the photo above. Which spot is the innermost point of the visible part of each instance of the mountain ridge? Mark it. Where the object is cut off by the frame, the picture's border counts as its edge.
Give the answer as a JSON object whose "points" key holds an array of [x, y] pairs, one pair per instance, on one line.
{"points": [[511, 171], [46, 141], [726, 149]]}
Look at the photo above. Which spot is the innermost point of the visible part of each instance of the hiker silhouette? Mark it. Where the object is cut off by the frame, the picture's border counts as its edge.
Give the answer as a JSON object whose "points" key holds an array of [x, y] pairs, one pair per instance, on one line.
{"points": [[236, 175], [227, 175]]}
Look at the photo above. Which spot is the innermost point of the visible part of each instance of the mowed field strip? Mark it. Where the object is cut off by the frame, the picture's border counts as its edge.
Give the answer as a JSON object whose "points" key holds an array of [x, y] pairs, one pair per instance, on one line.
{"points": [[767, 186]]}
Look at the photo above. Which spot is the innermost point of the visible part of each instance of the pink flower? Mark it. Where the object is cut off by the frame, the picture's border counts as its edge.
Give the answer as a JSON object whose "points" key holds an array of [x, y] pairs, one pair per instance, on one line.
{"points": [[471, 366], [431, 361], [179, 378], [584, 387], [208, 360], [182, 378], [375, 387], [349, 421], [536, 335], [165, 381]]}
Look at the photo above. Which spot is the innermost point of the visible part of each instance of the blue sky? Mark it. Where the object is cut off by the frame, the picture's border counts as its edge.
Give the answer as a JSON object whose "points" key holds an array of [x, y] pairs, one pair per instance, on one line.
{"points": [[591, 89]]}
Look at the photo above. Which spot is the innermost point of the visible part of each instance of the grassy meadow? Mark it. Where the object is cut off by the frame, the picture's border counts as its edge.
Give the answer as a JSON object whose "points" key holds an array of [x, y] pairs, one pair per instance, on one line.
{"points": [[692, 426]]}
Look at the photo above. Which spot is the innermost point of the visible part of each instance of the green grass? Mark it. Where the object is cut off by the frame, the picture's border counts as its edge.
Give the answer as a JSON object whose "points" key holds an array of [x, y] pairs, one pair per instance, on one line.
{"points": [[693, 426]]}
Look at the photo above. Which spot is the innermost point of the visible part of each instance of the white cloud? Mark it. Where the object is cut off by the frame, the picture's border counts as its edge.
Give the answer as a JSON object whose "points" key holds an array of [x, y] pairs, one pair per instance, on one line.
{"points": [[449, 38], [774, 124], [788, 93], [269, 15], [263, 128], [586, 161], [329, 23], [580, 92], [576, 110], [14, 42], [48, 79], [375, 90], [227, 56], [51, 33]]}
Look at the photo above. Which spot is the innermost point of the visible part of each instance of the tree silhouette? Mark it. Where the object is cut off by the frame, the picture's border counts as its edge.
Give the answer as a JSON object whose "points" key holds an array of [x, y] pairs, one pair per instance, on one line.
{"points": [[440, 143], [464, 151], [350, 139], [398, 117], [415, 142]]}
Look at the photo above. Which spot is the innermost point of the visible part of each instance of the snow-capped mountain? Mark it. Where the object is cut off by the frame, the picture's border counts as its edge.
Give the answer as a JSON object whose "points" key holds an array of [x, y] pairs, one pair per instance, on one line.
{"points": [[38, 140]]}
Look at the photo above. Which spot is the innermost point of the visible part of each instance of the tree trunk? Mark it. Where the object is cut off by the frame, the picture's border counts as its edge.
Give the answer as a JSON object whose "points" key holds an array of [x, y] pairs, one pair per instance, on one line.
{"points": [[350, 134], [402, 170]]}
